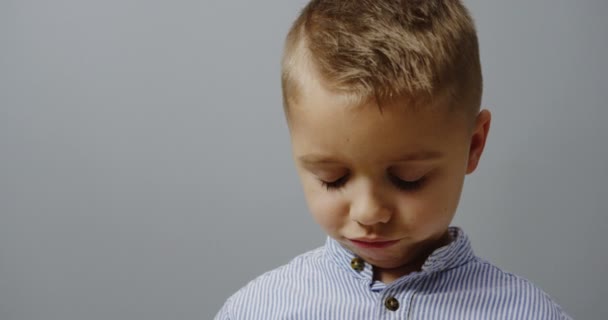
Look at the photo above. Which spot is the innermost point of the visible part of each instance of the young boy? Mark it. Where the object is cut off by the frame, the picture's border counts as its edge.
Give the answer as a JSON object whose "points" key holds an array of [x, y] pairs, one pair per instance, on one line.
{"points": [[382, 99]]}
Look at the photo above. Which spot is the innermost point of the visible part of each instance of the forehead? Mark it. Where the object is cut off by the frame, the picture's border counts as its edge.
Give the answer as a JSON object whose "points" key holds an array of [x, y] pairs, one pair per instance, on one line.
{"points": [[325, 124]]}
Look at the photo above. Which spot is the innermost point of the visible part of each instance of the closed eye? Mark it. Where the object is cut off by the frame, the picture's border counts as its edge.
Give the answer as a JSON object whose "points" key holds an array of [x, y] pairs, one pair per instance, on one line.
{"points": [[336, 184], [406, 185]]}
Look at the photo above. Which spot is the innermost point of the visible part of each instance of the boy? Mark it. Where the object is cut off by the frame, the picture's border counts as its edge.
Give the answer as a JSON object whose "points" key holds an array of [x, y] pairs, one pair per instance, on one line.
{"points": [[382, 100]]}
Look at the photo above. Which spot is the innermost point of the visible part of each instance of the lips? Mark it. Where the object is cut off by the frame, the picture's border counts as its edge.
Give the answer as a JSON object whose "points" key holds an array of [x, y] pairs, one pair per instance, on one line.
{"points": [[373, 243]]}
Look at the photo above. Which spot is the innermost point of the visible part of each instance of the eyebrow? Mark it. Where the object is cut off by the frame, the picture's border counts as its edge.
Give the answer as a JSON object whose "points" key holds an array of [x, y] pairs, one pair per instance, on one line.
{"points": [[420, 156], [318, 159], [408, 157]]}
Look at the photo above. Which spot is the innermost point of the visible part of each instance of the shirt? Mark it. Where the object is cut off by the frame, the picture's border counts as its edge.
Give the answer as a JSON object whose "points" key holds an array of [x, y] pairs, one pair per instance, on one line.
{"points": [[332, 283]]}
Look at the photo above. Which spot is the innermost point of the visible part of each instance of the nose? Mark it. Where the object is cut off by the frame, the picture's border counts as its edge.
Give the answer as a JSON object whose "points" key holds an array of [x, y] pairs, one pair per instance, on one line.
{"points": [[369, 208]]}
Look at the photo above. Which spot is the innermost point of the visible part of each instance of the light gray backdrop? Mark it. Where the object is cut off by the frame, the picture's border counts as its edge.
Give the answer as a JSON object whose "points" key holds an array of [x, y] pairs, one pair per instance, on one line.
{"points": [[145, 169]]}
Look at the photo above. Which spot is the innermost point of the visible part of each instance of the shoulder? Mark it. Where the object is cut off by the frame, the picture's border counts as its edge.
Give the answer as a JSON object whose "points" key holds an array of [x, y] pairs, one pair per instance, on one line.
{"points": [[271, 291], [509, 295]]}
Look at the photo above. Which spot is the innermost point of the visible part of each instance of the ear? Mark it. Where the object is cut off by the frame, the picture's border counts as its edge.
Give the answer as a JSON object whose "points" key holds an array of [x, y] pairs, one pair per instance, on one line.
{"points": [[478, 139]]}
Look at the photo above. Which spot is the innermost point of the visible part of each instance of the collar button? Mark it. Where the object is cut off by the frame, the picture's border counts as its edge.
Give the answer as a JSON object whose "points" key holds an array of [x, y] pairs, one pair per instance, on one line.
{"points": [[357, 264]]}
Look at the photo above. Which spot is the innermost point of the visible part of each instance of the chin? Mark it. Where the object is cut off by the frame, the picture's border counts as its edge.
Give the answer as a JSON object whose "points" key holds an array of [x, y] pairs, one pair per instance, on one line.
{"points": [[382, 258]]}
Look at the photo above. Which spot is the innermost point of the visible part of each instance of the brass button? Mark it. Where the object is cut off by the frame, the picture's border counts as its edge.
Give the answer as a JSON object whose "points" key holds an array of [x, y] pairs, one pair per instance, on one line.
{"points": [[391, 304], [357, 264]]}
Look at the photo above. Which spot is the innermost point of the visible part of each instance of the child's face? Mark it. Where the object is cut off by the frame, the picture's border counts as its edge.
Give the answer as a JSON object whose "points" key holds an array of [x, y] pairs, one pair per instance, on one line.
{"points": [[393, 176]]}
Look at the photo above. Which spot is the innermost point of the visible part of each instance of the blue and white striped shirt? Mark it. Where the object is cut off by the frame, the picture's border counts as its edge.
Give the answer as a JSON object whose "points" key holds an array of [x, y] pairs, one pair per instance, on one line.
{"points": [[452, 284]]}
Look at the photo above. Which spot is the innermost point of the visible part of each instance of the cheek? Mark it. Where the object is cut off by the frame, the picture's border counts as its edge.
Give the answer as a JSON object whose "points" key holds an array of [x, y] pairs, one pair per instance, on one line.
{"points": [[328, 208], [431, 208], [417, 211]]}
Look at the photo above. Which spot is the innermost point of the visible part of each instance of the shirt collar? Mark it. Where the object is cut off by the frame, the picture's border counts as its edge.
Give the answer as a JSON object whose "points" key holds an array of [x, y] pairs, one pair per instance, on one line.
{"points": [[452, 255]]}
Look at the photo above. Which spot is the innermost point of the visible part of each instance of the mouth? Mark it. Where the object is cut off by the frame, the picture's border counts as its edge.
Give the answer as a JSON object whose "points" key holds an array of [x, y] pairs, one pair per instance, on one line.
{"points": [[373, 244]]}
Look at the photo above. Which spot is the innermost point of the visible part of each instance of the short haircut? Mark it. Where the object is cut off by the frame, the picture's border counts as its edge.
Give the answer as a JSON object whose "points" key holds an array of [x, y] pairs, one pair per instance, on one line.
{"points": [[417, 50]]}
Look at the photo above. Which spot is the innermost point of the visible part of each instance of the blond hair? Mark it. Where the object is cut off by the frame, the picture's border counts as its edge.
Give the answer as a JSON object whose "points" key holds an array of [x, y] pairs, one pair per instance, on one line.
{"points": [[384, 50]]}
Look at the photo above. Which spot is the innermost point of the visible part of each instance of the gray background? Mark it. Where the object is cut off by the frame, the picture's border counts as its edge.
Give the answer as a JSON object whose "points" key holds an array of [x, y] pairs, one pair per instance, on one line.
{"points": [[145, 169]]}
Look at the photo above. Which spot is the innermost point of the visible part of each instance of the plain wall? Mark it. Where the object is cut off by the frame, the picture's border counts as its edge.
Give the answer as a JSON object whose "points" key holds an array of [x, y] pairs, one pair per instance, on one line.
{"points": [[145, 167]]}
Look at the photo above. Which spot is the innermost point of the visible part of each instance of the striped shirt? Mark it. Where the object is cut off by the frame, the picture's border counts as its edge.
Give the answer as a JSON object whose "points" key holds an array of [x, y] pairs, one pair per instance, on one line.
{"points": [[332, 283]]}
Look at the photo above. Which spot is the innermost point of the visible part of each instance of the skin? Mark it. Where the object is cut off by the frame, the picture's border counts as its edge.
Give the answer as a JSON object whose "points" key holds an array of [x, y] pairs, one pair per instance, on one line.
{"points": [[389, 174]]}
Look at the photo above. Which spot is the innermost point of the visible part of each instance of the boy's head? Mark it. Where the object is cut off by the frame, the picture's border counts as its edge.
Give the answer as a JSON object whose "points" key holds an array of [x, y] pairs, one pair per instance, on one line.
{"points": [[415, 51], [382, 100]]}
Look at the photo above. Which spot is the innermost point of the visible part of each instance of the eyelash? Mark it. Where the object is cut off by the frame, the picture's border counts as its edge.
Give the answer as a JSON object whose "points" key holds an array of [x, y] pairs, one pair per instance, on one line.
{"points": [[399, 183], [336, 184], [406, 185]]}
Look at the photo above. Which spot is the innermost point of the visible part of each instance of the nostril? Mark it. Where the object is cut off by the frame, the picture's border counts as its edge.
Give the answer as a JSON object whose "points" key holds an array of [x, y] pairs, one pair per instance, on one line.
{"points": [[371, 216]]}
